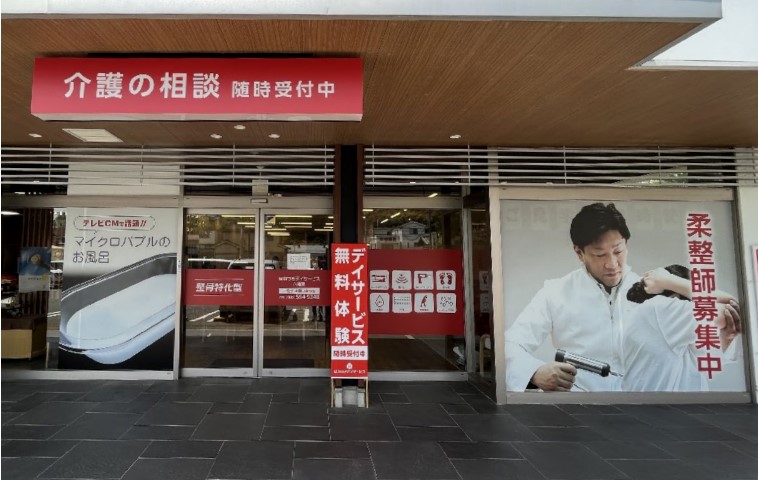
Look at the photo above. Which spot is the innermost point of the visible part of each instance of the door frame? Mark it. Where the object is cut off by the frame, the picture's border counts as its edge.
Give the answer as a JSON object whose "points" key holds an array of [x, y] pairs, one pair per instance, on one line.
{"points": [[320, 206]]}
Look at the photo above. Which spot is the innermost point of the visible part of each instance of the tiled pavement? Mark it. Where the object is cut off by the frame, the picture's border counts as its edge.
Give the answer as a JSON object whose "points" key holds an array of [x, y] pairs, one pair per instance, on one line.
{"points": [[283, 428]]}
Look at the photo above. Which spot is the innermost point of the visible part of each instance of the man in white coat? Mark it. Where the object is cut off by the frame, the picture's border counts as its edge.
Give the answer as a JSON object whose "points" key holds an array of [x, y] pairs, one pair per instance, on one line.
{"points": [[582, 312]]}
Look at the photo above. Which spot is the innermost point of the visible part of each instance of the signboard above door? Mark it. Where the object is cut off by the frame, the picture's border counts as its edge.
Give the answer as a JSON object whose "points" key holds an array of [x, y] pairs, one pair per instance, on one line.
{"points": [[281, 89]]}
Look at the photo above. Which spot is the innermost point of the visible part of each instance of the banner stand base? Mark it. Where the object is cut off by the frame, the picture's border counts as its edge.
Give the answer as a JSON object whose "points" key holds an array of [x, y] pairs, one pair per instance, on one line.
{"points": [[343, 394]]}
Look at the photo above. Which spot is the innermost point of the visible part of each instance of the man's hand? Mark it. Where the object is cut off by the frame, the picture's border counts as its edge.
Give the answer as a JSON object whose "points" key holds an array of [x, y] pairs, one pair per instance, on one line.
{"points": [[555, 377], [729, 323], [656, 281]]}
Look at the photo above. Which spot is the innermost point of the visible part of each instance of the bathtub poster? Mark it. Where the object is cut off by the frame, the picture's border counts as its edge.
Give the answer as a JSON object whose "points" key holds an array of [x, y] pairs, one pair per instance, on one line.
{"points": [[119, 298]]}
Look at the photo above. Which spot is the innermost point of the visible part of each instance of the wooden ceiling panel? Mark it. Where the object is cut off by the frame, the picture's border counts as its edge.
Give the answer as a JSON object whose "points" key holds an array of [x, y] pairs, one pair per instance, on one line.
{"points": [[494, 82]]}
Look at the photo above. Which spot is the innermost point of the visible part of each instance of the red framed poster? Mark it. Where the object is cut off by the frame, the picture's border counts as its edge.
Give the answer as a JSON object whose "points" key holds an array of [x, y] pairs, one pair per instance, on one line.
{"points": [[297, 287], [349, 328], [218, 287], [416, 292], [137, 89]]}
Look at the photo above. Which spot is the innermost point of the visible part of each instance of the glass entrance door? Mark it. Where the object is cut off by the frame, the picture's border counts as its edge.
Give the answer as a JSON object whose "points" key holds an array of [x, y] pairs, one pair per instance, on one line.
{"points": [[296, 311], [255, 292], [219, 264]]}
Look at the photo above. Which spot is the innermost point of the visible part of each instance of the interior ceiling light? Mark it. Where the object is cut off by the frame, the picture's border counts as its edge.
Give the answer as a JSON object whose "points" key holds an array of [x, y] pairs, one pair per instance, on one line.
{"points": [[9, 212], [385, 220], [273, 135], [432, 195], [35, 135], [245, 223], [394, 215], [215, 135], [97, 135], [455, 136], [365, 210], [237, 216], [278, 234], [239, 127]]}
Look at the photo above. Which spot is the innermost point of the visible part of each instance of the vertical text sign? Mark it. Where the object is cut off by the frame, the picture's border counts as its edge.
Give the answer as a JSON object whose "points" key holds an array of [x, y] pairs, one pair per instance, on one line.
{"points": [[703, 281], [349, 330]]}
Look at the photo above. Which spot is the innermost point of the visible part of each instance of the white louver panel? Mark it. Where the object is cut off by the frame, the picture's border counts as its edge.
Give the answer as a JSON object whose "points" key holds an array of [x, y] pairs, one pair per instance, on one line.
{"points": [[560, 166], [199, 167]]}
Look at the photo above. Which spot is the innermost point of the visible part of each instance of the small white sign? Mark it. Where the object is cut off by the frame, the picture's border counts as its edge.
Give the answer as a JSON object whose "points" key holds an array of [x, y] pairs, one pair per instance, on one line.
{"points": [[445, 279], [379, 303], [298, 261], [402, 303], [401, 280], [423, 280], [423, 303], [379, 280], [446, 303]]}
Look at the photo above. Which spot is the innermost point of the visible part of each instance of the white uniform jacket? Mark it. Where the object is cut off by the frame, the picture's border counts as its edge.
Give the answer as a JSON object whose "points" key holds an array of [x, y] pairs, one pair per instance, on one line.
{"points": [[581, 318]]}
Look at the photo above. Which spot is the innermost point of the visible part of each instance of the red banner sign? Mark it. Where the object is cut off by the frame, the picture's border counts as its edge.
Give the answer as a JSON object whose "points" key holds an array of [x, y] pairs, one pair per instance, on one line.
{"points": [[218, 287], [297, 288], [416, 292], [282, 89], [349, 329]]}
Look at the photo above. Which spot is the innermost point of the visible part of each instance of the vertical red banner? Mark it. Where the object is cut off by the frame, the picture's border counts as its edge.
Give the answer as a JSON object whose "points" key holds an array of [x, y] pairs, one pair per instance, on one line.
{"points": [[349, 330]]}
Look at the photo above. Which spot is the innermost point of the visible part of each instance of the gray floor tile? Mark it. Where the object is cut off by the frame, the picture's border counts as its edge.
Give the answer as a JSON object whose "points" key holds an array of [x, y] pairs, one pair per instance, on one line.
{"points": [[661, 416], [219, 393], [274, 385], [623, 428], [567, 434], [52, 413], [714, 457], [223, 407], [297, 414], [253, 460], [99, 426], [158, 432], [432, 393], [411, 460], [256, 403], [362, 427], [183, 449], [705, 433], [30, 432], [659, 470], [541, 416], [748, 448], [484, 405], [458, 409], [419, 415], [490, 469], [315, 393], [387, 398], [742, 425], [230, 426], [333, 469], [24, 468], [169, 469], [480, 450], [141, 404], [385, 387], [628, 450], [331, 450], [295, 433], [189, 385], [100, 459], [175, 414], [464, 387], [29, 402], [116, 392], [431, 434], [567, 461], [285, 398], [580, 409], [493, 428], [6, 417], [38, 448]]}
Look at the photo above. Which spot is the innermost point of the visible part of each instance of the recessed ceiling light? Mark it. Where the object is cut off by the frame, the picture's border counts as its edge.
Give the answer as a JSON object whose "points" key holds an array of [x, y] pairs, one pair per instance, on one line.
{"points": [[273, 135], [97, 135], [455, 136], [35, 135], [432, 195], [239, 127], [9, 212], [215, 135]]}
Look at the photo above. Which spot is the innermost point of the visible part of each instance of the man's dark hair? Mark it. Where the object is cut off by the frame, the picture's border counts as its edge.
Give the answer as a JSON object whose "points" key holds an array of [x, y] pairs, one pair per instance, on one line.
{"points": [[594, 220], [637, 293]]}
